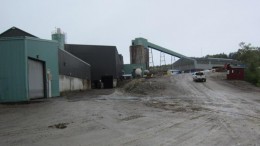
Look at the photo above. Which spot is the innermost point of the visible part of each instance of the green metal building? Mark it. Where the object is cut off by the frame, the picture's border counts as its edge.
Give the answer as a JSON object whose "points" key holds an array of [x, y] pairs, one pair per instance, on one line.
{"points": [[28, 67]]}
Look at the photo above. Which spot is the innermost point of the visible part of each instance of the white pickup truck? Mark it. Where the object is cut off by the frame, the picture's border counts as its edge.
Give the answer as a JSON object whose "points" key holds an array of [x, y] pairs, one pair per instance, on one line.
{"points": [[199, 76]]}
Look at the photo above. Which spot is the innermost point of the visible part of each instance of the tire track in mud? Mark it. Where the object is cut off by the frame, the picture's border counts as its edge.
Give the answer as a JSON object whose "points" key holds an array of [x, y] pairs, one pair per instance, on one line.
{"points": [[168, 127], [202, 133], [219, 101], [182, 90], [195, 93], [235, 113], [192, 135], [204, 92], [226, 100], [231, 133]]}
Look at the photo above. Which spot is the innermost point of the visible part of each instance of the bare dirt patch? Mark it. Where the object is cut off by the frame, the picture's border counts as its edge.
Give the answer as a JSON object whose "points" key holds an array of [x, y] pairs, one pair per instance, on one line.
{"points": [[144, 86], [132, 117], [174, 107]]}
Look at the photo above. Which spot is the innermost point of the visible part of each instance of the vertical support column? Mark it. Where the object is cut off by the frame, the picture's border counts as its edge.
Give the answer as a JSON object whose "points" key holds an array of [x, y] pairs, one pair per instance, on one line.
{"points": [[151, 63], [171, 63], [162, 59]]}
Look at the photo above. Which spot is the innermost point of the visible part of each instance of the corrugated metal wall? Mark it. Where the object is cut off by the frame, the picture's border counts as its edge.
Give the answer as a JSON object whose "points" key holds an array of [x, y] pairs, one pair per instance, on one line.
{"points": [[120, 65], [69, 65], [103, 59], [13, 84], [14, 66], [46, 51], [121, 59]]}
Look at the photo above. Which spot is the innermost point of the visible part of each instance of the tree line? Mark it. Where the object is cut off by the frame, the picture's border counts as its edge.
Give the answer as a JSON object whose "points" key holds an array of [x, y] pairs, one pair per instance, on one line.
{"points": [[250, 56]]}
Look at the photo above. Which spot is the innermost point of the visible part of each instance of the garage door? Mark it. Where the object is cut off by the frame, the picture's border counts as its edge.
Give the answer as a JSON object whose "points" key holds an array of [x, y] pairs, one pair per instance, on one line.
{"points": [[36, 80]]}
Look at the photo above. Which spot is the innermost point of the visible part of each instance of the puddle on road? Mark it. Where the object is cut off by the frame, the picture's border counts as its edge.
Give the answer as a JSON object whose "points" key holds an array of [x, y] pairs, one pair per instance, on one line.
{"points": [[59, 126]]}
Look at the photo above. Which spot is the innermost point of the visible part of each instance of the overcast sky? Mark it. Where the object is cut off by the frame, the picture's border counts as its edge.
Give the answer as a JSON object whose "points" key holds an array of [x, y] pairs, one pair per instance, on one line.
{"points": [[193, 28]]}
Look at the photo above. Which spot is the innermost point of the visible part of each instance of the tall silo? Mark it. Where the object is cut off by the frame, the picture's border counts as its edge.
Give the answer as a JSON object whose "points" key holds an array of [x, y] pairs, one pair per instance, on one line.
{"points": [[59, 36]]}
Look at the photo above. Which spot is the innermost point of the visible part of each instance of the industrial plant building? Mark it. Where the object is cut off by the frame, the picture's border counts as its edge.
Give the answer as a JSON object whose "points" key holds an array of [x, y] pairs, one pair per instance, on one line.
{"points": [[195, 64], [32, 68], [106, 63], [74, 73], [28, 67], [141, 54]]}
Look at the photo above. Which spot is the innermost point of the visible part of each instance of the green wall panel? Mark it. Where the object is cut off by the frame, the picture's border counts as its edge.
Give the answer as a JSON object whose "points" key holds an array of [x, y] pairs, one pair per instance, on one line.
{"points": [[14, 53], [12, 70], [46, 51]]}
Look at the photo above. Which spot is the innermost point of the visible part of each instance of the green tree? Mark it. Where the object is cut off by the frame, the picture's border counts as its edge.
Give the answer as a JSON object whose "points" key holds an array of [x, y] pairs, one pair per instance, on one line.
{"points": [[251, 57], [221, 55]]}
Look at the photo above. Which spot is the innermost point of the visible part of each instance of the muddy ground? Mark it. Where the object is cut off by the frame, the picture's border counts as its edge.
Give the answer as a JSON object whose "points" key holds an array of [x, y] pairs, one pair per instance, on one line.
{"points": [[165, 111]]}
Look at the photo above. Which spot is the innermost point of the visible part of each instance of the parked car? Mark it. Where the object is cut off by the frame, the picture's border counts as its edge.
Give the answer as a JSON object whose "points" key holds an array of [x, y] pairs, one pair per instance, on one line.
{"points": [[199, 76]]}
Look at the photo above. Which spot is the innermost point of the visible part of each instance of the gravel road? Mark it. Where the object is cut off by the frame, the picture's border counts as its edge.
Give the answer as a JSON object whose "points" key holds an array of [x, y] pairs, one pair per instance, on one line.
{"points": [[165, 111]]}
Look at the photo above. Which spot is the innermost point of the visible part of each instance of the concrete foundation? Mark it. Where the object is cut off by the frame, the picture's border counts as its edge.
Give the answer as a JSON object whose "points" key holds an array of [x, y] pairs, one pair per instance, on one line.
{"points": [[73, 84]]}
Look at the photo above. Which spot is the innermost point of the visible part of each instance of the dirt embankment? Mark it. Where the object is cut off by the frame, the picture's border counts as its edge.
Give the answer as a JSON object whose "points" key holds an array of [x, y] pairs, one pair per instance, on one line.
{"points": [[142, 87], [162, 92]]}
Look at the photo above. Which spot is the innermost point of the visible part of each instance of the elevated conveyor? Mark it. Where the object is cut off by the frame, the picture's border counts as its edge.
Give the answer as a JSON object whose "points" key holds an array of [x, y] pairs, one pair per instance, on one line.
{"points": [[139, 53]]}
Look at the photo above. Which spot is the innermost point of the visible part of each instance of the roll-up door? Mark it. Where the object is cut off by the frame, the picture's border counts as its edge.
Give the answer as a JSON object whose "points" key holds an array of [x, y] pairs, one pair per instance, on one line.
{"points": [[36, 80]]}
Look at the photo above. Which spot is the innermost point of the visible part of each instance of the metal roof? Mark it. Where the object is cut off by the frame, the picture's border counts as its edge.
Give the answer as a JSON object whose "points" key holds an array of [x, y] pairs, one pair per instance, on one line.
{"points": [[16, 32]]}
